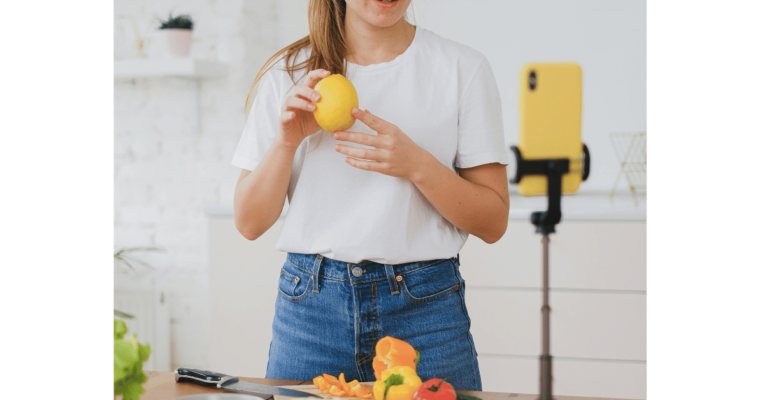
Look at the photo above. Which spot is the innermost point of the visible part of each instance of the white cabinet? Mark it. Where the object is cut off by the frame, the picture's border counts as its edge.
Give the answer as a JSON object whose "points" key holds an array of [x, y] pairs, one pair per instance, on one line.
{"points": [[243, 287], [598, 299]]}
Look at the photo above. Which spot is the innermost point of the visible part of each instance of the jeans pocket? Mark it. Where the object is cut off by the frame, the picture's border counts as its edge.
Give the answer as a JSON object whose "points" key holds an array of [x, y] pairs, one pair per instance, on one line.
{"points": [[430, 283], [294, 283]]}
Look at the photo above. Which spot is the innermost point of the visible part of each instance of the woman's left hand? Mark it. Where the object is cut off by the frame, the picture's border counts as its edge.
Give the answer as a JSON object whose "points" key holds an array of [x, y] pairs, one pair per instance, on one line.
{"points": [[394, 153]]}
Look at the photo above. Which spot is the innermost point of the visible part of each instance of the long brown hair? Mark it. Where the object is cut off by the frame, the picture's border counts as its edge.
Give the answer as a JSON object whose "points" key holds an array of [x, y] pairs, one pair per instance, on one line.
{"points": [[327, 38]]}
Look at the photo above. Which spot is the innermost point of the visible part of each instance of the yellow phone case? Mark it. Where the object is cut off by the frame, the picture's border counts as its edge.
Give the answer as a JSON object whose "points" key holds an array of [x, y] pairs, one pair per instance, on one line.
{"points": [[550, 121]]}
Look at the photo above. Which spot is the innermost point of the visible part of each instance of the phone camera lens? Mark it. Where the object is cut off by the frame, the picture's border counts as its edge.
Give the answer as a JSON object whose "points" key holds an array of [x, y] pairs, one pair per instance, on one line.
{"points": [[532, 80]]}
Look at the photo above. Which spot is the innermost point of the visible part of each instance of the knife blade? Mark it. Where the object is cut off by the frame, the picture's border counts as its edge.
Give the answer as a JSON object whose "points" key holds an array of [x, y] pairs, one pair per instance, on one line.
{"points": [[224, 381]]}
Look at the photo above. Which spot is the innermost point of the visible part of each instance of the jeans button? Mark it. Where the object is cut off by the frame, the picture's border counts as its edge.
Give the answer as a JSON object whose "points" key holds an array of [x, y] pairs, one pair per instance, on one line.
{"points": [[356, 272]]}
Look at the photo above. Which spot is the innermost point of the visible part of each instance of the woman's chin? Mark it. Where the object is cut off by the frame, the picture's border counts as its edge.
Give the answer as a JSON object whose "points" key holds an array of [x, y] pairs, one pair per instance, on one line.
{"points": [[382, 21]]}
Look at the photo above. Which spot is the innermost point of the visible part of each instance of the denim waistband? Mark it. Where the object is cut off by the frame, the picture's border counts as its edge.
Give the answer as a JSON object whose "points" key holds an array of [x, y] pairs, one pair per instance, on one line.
{"points": [[368, 271]]}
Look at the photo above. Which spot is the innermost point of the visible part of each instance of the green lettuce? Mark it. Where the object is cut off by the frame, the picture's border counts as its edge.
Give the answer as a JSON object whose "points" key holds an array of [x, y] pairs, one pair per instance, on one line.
{"points": [[128, 359]]}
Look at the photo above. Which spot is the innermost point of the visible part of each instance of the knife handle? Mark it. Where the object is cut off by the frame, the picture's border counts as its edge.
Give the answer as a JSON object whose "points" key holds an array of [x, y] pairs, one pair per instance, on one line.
{"points": [[201, 377]]}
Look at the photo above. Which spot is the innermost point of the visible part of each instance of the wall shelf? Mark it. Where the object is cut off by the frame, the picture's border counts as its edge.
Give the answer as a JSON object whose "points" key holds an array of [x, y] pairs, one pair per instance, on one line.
{"points": [[179, 67]]}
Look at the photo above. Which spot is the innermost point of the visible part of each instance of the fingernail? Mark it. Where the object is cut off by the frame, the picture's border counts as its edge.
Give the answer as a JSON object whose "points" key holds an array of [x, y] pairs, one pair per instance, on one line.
{"points": [[336, 135], [312, 107], [315, 96], [356, 111]]}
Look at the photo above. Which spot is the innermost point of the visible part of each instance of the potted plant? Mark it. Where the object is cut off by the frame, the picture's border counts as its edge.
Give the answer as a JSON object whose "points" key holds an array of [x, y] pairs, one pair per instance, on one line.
{"points": [[178, 33]]}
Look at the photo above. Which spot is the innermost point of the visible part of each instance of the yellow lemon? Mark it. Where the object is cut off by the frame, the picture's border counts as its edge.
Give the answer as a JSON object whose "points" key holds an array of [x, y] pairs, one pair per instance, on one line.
{"points": [[333, 112]]}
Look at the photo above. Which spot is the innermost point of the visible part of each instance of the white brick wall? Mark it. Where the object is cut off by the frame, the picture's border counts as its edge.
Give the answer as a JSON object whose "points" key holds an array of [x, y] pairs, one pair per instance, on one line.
{"points": [[174, 140]]}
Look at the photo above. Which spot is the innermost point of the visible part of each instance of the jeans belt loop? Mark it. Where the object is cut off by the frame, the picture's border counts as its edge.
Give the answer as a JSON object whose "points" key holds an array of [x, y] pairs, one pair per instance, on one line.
{"points": [[391, 278], [315, 272]]}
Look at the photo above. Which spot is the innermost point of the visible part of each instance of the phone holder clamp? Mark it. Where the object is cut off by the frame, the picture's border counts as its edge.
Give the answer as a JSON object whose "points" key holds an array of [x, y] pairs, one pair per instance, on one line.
{"points": [[553, 169]]}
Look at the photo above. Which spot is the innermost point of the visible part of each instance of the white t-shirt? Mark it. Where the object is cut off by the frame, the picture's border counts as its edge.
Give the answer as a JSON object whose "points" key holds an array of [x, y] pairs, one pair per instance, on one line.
{"points": [[441, 94]]}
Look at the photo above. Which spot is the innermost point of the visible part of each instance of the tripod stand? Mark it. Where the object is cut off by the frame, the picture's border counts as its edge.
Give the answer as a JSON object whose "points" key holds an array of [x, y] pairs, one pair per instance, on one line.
{"points": [[545, 221]]}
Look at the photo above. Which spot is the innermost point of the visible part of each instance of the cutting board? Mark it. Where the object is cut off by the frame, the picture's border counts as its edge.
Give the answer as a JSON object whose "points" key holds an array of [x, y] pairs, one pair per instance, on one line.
{"points": [[315, 391]]}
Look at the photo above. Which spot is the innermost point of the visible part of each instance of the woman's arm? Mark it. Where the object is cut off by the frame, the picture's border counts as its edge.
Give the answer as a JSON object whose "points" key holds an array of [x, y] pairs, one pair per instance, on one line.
{"points": [[260, 194], [475, 201]]}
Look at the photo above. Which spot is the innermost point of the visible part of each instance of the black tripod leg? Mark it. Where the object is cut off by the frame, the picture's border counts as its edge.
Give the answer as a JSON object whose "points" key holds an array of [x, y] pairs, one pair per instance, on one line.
{"points": [[545, 388]]}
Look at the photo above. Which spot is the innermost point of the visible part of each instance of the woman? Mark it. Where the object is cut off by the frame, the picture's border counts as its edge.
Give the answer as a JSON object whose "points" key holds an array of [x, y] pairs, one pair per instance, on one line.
{"points": [[376, 215]]}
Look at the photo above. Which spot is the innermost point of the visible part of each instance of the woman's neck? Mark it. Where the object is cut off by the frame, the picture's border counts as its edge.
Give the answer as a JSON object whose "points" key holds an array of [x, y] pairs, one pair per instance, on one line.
{"points": [[369, 44]]}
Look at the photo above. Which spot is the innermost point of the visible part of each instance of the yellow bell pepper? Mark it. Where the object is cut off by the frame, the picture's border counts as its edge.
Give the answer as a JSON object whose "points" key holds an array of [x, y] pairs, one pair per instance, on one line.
{"points": [[397, 383], [391, 352]]}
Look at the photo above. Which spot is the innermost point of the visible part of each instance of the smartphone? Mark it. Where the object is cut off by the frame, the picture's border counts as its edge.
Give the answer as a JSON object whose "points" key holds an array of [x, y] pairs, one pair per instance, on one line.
{"points": [[550, 122]]}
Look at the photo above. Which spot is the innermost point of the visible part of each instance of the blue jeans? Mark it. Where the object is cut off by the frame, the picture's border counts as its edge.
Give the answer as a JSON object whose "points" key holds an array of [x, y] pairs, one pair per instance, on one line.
{"points": [[330, 314]]}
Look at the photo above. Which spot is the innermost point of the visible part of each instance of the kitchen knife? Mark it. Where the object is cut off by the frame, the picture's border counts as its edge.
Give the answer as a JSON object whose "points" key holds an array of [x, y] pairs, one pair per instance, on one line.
{"points": [[222, 381]]}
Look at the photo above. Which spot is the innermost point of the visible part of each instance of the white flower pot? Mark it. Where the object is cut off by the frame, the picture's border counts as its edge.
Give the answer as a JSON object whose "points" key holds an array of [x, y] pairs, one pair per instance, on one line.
{"points": [[178, 41]]}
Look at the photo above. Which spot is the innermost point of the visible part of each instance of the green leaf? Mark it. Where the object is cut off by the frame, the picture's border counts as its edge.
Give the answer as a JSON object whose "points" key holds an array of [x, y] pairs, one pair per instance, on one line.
{"points": [[417, 359], [131, 388], [122, 314], [119, 329], [178, 22], [462, 396], [123, 256], [133, 249]]}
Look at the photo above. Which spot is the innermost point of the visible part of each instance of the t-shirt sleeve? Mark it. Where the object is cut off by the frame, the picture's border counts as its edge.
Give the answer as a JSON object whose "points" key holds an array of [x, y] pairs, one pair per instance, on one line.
{"points": [[261, 126], [481, 128]]}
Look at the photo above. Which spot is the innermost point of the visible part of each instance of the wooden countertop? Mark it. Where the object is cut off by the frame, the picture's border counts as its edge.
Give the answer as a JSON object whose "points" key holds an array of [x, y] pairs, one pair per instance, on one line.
{"points": [[161, 386]]}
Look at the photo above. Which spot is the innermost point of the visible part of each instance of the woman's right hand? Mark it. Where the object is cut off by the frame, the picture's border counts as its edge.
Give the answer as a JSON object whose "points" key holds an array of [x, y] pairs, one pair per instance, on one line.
{"points": [[297, 114]]}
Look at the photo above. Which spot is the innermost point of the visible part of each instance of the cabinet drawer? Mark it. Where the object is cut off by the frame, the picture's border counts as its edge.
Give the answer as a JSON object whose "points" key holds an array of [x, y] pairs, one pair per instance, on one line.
{"points": [[602, 379], [582, 255], [584, 325]]}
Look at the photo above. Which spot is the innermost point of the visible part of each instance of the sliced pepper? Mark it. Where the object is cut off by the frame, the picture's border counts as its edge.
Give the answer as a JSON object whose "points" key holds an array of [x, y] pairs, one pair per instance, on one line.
{"points": [[335, 391], [391, 352], [338, 387], [319, 381], [352, 387], [363, 392], [397, 383], [330, 380]]}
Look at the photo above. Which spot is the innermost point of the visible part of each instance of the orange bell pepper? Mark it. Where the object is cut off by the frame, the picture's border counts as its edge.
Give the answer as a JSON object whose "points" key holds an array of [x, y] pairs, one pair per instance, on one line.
{"points": [[391, 352]]}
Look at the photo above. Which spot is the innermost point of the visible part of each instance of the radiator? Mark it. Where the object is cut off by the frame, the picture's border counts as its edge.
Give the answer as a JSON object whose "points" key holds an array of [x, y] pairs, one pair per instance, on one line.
{"points": [[140, 297]]}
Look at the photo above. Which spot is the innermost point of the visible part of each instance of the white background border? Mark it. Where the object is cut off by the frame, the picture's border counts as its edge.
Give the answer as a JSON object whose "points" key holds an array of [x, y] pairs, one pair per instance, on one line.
{"points": [[56, 167]]}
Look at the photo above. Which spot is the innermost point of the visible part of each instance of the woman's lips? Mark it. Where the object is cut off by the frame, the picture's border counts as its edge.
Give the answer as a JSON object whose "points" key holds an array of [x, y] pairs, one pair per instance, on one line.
{"points": [[386, 4]]}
